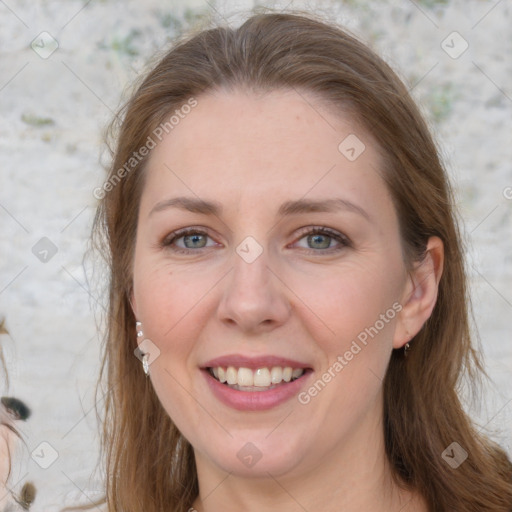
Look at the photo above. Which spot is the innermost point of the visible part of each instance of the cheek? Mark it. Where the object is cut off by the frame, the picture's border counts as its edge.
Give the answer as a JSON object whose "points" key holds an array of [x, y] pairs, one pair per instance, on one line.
{"points": [[168, 299], [357, 307], [172, 305], [350, 300]]}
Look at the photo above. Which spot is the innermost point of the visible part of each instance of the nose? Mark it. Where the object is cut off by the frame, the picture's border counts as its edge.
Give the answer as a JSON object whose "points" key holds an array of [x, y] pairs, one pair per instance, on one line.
{"points": [[254, 297]]}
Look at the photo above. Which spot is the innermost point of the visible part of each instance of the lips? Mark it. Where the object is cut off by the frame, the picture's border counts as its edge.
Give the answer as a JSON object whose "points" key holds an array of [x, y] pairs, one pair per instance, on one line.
{"points": [[255, 383], [238, 361]]}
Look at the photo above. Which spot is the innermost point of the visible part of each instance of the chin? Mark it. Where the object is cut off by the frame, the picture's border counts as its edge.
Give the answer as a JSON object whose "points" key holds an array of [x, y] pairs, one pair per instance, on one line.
{"points": [[257, 458]]}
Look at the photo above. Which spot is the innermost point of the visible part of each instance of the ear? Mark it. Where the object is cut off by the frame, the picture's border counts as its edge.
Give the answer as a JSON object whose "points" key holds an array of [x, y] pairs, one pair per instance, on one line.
{"points": [[420, 293]]}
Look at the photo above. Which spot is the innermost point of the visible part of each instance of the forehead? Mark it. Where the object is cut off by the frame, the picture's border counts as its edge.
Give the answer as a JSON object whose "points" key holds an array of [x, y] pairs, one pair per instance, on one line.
{"points": [[257, 148]]}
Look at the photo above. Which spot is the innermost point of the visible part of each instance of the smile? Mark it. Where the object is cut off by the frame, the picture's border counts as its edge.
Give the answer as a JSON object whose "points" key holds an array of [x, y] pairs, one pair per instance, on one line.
{"points": [[246, 383], [260, 379]]}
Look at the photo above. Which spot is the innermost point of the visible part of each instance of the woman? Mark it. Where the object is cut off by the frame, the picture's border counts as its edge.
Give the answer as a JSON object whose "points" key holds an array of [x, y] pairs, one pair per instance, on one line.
{"points": [[288, 311]]}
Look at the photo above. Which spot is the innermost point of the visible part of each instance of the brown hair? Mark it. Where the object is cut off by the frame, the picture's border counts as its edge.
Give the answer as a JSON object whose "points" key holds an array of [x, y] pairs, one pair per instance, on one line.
{"points": [[149, 464]]}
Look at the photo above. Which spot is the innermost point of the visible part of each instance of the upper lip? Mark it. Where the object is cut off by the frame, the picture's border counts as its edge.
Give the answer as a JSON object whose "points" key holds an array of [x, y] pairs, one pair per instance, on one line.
{"points": [[253, 362]]}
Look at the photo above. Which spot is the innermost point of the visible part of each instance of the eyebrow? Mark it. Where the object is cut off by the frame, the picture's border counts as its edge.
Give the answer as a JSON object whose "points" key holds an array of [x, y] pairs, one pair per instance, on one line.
{"points": [[189, 204], [323, 206], [288, 208]]}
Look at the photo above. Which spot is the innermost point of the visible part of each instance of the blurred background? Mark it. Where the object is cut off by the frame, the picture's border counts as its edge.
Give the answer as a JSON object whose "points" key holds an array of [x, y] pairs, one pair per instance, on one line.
{"points": [[65, 67]]}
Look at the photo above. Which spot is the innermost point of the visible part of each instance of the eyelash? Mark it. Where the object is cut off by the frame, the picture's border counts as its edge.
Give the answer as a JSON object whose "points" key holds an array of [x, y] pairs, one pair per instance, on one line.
{"points": [[342, 240], [309, 231]]}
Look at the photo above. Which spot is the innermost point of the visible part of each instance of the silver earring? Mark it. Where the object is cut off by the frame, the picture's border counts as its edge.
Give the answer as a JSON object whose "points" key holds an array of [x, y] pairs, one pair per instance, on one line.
{"points": [[407, 348], [138, 326], [145, 364], [145, 356]]}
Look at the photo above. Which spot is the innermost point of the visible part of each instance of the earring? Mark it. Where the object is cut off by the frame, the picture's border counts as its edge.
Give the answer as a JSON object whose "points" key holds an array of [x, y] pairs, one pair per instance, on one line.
{"points": [[407, 348], [138, 327], [145, 356], [145, 364]]}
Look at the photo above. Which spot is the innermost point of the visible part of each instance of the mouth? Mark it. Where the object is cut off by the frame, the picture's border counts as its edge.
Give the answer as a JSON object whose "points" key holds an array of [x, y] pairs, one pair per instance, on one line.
{"points": [[255, 383], [256, 380]]}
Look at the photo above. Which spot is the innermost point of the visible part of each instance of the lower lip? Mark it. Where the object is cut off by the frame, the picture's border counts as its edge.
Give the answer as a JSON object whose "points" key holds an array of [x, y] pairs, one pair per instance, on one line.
{"points": [[255, 400]]}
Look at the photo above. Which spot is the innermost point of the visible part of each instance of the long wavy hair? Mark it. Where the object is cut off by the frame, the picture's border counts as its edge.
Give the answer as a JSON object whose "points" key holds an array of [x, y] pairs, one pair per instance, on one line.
{"points": [[149, 465]]}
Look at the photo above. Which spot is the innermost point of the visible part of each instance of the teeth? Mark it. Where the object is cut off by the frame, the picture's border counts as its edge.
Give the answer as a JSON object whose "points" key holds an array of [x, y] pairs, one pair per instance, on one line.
{"points": [[276, 375], [245, 377], [260, 378], [231, 375], [297, 373], [221, 374]]}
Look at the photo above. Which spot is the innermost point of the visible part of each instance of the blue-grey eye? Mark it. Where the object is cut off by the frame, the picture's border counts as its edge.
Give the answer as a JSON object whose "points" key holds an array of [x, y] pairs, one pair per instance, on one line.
{"points": [[195, 241], [319, 241], [323, 240]]}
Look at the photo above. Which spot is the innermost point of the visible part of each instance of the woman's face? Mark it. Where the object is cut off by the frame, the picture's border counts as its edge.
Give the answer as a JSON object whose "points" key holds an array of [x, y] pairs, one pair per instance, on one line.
{"points": [[291, 263]]}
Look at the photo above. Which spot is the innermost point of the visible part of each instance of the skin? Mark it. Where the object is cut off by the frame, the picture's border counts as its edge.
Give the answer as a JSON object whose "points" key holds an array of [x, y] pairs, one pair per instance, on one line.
{"points": [[5, 446], [7, 449], [298, 299]]}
